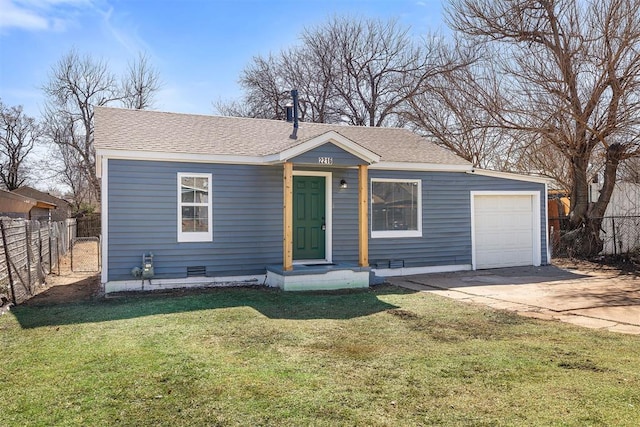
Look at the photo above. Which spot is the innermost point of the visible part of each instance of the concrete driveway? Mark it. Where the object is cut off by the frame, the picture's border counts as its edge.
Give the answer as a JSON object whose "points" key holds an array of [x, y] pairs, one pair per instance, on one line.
{"points": [[593, 298]]}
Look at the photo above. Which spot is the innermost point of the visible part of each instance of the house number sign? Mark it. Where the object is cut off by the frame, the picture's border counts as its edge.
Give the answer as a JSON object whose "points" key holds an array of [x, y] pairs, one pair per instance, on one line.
{"points": [[325, 160]]}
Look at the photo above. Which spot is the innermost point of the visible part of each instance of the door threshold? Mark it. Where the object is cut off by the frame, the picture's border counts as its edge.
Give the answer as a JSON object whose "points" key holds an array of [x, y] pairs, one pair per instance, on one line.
{"points": [[312, 262]]}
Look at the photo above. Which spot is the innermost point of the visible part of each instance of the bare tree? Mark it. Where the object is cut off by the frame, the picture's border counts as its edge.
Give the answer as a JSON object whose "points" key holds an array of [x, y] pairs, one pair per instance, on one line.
{"points": [[140, 84], [236, 108], [378, 66], [19, 134], [311, 69], [267, 83], [573, 79], [455, 112], [356, 71], [78, 84], [542, 157], [264, 84], [631, 170]]}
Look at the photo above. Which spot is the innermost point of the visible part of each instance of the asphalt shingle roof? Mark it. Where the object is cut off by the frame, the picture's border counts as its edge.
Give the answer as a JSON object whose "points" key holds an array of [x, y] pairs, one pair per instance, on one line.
{"points": [[154, 131]]}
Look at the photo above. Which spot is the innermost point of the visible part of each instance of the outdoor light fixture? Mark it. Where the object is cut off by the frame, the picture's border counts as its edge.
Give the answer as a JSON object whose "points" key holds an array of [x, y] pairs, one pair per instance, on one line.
{"points": [[343, 183]]}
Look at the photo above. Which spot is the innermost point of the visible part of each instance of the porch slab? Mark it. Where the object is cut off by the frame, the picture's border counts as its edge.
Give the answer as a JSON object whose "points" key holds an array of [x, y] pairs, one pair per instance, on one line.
{"points": [[318, 277]]}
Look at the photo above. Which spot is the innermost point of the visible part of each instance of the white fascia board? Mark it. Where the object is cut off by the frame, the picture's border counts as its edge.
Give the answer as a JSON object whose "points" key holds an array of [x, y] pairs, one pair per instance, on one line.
{"points": [[510, 175], [104, 217], [328, 137], [421, 167], [98, 166], [180, 157]]}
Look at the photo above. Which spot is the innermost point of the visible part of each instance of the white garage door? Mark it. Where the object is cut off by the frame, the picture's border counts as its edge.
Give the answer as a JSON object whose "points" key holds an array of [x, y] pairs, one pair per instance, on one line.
{"points": [[505, 231]]}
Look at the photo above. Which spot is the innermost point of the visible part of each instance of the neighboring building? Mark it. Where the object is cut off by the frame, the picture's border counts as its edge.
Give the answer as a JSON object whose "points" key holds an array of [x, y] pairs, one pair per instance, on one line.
{"points": [[62, 209], [227, 199], [14, 205], [19, 206]]}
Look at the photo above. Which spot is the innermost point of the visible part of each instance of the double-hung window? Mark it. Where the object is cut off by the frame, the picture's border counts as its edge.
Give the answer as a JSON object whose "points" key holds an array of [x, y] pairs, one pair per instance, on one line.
{"points": [[396, 207], [195, 216]]}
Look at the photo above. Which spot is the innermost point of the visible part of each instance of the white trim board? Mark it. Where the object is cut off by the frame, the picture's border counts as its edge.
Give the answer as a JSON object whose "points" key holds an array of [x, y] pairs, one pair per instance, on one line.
{"points": [[187, 282], [509, 175], [203, 236], [385, 234], [157, 156], [332, 137], [408, 271], [420, 167], [104, 218]]}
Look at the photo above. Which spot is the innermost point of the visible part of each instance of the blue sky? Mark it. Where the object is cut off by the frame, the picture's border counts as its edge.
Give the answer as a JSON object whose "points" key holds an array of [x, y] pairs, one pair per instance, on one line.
{"points": [[199, 47]]}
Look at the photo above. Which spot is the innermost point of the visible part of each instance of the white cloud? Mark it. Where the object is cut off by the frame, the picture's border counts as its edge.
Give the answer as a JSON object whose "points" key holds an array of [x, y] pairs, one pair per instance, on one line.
{"points": [[126, 35], [14, 16], [38, 15]]}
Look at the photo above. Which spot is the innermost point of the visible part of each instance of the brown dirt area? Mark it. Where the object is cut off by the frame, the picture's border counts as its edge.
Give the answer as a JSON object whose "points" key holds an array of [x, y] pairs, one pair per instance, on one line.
{"points": [[71, 287], [67, 289], [628, 265]]}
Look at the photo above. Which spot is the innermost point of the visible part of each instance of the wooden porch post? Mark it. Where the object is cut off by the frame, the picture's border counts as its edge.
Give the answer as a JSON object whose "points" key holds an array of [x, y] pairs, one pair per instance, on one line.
{"points": [[363, 215], [287, 215]]}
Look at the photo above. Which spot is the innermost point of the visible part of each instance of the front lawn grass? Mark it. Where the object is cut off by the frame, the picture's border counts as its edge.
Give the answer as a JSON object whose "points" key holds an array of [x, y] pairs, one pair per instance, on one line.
{"points": [[379, 357]]}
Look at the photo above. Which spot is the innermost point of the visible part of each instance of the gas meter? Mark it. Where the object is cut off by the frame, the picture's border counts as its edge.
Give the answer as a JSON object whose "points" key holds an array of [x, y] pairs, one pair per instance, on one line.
{"points": [[146, 271]]}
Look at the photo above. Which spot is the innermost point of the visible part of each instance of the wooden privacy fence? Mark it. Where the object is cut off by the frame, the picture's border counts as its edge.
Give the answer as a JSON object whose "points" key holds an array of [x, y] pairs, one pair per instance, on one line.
{"points": [[88, 225], [29, 251]]}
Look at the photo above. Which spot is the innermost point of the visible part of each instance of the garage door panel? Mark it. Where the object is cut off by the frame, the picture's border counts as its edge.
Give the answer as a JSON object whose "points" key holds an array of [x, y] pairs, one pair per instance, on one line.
{"points": [[503, 223], [510, 258], [506, 243], [503, 230]]}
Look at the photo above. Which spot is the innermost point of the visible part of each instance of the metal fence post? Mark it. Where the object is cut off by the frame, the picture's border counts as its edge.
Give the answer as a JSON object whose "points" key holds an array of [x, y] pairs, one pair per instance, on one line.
{"points": [[615, 243], [8, 260], [71, 251], [50, 251], [27, 240], [41, 272], [58, 239]]}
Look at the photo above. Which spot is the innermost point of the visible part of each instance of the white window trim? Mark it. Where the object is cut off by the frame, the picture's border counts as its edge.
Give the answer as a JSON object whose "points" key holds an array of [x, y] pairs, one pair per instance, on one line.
{"points": [[195, 236], [397, 233]]}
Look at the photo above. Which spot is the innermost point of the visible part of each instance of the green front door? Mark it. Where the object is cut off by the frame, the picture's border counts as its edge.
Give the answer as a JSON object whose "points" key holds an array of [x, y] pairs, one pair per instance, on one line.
{"points": [[309, 217]]}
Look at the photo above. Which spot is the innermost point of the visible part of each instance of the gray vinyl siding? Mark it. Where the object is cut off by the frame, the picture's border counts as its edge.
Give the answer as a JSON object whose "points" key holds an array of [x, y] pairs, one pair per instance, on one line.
{"points": [[142, 218], [345, 216], [338, 155], [446, 219], [247, 218]]}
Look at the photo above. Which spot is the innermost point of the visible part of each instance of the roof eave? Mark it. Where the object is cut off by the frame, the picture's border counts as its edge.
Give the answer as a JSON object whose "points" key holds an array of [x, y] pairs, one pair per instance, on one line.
{"points": [[511, 175], [427, 167], [181, 157]]}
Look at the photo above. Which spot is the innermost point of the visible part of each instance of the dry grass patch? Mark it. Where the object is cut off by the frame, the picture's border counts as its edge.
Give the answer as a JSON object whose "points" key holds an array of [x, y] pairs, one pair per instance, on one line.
{"points": [[261, 357]]}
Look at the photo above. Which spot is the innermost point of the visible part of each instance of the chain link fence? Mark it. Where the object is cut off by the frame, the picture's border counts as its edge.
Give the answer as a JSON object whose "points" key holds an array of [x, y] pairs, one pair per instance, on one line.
{"points": [[620, 234], [31, 250], [85, 255]]}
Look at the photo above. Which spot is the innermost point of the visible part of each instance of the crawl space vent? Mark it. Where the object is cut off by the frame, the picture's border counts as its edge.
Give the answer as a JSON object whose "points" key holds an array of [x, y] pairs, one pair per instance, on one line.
{"points": [[199, 270], [396, 263]]}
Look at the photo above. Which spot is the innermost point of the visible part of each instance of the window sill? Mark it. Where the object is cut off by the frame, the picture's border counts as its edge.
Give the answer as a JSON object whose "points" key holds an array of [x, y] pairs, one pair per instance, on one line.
{"points": [[194, 237], [395, 234]]}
